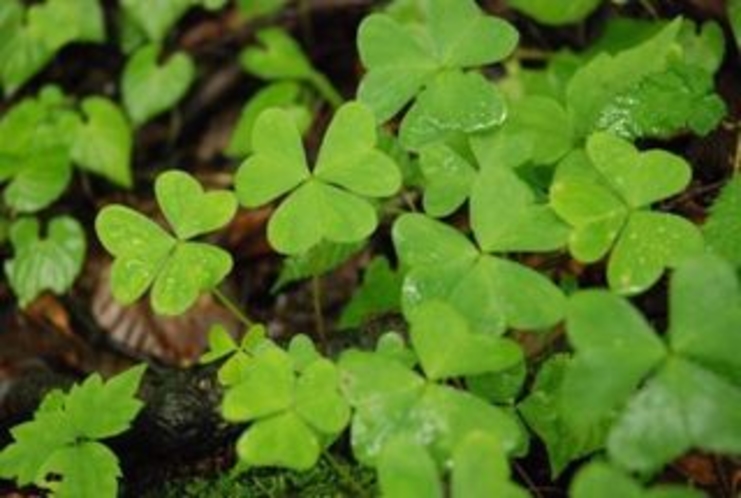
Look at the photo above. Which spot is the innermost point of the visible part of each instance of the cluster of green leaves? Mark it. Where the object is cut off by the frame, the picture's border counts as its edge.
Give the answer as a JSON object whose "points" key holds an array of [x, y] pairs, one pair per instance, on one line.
{"points": [[60, 449]]}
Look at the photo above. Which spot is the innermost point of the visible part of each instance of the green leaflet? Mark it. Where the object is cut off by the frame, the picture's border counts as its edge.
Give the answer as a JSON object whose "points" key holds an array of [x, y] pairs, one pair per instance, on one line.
{"points": [[616, 351], [146, 255], [556, 12], [722, 229], [156, 19], [379, 293], [600, 479], [605, 195], [149, 88], [40, 264], [329, 203]]}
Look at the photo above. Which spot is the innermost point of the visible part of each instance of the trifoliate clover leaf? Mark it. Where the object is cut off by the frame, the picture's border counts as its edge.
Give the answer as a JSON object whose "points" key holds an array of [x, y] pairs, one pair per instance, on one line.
{"points": [[392, 401], [222, 346], [436, 323], [492, 293], [293, 417], [146, 254], [40, 264], [601, 479], [605, 196], [60, 440], [329, 203], [104, 143], [556, 13], [617, 351], [723, 227], [150, 88], [284, 94], [402, 60]]}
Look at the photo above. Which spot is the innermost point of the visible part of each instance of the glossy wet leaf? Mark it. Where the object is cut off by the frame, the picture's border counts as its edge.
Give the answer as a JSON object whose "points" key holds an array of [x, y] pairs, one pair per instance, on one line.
{"points": [[492, 293], [545, 124], [722, 229], [481, 470], [601, 479], [280, 441], [446, 347], [556, 13], [146, 255], [286, 95], [595, 85], [605, 196], [406, 469], [329, 204], [402, 60], [48, 263], [452, 102], [150, 88], [104, 143], [540, 410], [392, 401], [447, 177]]}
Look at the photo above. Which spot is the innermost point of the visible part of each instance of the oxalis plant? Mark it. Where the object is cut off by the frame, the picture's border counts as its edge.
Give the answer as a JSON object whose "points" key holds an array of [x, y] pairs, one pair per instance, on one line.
{"points": [[537, 167]]}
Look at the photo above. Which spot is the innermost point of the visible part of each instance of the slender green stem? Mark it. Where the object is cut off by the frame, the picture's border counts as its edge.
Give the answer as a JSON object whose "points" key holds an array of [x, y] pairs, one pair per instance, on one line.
{"points": [[316, 294], [232, 307], [325, 88], [345, 475]]}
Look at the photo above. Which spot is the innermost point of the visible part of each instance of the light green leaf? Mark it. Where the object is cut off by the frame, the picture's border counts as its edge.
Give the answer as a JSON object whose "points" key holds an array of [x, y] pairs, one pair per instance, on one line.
{"points": [[480, 469], [453, 102], [140, 247], [722, 229], [379, 293], [280, 441], [266, 388], [40, 179], [663, 420], [506, 218], [464, 36], [320, 259], [542, 414], [87, 469], [149, 88], [600, 479], [399, 64], [596, 84], [406, 470], [421, 241], [348, 157], [278, 164], [99, 410], [158, 18], [448, 178], [317, 399], [51, 263], [302, 351], [286, 95], [546, 124], [649, 243], [556, 12], [220, 344], [436, 323], [22, 54], [104, 143], [615, 350], [189, 210], [59, 22], [277, 57]]}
